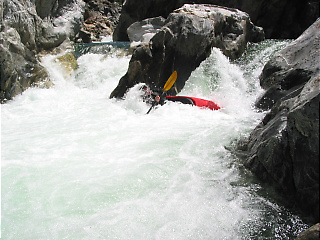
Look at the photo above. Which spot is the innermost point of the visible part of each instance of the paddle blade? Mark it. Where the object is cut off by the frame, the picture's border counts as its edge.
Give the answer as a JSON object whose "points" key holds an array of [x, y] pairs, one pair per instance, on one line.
{"points": [[171, 80]]}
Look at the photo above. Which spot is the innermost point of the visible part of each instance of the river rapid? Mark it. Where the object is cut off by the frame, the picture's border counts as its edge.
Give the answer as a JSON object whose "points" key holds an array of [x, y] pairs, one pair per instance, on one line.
{"points": [[78, 165]]}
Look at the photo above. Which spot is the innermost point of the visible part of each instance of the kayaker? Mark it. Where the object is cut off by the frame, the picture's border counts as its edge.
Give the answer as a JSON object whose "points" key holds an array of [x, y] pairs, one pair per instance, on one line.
{"points": [[154, 94]]}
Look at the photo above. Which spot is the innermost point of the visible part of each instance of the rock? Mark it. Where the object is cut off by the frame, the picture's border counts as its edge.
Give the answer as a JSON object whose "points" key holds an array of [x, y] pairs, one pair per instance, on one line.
{"points": [[100, 20], [312, 233], [28, 27], [59, 21], [142, 32], [287, 72], [134, 11], [44, 84], [279, 19], [68, 62], [96, 27], [284, 148], [185, 41], [19, 67], [269, 14]]}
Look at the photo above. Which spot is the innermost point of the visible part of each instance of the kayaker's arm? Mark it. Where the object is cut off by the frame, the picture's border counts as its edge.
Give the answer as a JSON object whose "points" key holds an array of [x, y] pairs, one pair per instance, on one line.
{"points": [[159, 96]]}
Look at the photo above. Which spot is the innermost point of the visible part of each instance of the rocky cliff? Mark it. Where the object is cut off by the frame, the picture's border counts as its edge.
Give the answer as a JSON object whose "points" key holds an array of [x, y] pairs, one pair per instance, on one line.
{"points": [[279, 19], [28, 27], [284, 148], [185, 40]]}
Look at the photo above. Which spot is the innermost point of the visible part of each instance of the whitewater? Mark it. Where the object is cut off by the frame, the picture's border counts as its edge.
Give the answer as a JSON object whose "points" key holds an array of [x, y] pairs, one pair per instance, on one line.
{"points": [[78, 165]]}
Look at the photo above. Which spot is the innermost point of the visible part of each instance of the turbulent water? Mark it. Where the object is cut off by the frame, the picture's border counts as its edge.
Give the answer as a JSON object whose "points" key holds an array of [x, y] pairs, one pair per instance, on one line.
{"points": [[78, 165]]}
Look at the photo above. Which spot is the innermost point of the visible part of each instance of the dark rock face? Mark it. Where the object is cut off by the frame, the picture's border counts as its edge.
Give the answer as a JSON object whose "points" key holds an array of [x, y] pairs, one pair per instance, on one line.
{"points": [[286, 73], [284, 148], [185, 41], [279, 19], [27, 27]]}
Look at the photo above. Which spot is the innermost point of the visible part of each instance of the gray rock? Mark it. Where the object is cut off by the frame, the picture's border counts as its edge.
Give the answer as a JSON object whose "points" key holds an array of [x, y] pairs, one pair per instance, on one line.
{"points": [[185, 41], [142, 32], [286, 73], [28, 27], [269, 14], [284, 148], [19, 67], [135, 11]]}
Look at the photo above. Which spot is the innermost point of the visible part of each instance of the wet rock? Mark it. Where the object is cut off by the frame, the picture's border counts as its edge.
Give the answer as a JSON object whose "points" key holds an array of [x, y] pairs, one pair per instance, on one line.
{"points": [[185, 41], [312, 233], [68, 62], [28, 27], [279, 19], [44, 84], [284, 149]]}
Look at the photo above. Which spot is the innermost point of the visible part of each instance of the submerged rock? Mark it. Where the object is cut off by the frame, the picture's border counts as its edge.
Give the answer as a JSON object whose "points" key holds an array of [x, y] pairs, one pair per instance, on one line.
{"points": [[284, 148], [185, 41], [69, 63]]}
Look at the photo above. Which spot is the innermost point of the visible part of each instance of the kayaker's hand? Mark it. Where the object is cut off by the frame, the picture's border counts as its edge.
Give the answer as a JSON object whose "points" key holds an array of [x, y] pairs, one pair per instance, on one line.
{"points": [[157, 98]]}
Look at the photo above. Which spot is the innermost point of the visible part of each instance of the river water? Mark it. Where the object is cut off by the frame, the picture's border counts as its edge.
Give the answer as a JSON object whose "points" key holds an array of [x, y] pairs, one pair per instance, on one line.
{"points": [[78, 165]]}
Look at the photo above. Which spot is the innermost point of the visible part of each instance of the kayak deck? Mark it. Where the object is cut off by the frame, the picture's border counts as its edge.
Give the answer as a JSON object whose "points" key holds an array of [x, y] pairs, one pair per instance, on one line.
{"points": [[199, 102]]}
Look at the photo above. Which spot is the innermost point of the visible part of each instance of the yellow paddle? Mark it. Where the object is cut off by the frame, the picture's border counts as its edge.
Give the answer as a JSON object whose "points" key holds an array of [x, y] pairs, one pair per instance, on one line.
{"points": [[171, 80]]}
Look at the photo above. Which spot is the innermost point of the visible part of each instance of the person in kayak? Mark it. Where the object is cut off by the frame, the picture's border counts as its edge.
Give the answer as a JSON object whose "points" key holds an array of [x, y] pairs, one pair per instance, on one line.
{"points": [[151, 95], [155, 96]]}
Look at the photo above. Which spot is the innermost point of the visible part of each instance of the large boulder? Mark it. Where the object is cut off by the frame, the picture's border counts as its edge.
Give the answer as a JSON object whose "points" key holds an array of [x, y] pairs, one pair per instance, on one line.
{"points": [[135, 11], [28, 27], [279, 19], [142, 32], [284, 148], [185, 41], [287, 72]]}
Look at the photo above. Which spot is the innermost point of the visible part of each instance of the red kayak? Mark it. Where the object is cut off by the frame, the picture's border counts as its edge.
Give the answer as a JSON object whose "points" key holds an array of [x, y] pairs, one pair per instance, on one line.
{"points": [[202, 103]]}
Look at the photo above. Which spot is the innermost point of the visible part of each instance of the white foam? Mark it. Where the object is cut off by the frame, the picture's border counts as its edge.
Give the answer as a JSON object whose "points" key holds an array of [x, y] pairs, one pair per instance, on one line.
{"points": [[78, 165]]}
